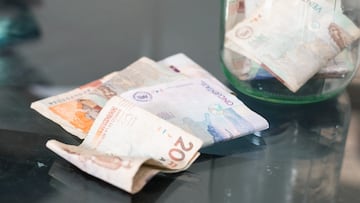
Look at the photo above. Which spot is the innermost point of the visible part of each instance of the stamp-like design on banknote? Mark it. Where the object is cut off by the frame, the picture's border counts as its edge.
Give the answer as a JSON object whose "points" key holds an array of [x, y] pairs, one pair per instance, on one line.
{"points": [[142, 96], [244, 32]]}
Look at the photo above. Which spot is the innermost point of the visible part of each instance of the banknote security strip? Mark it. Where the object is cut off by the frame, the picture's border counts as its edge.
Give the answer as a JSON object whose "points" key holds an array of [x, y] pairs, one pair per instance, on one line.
{"points": [[312, 43], [148, 118]]}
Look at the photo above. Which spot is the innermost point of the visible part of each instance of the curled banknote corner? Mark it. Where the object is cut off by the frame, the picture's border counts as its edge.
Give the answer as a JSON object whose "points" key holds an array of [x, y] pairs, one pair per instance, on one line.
{"points": [[127, 146], [293, 40], [124, 172]]}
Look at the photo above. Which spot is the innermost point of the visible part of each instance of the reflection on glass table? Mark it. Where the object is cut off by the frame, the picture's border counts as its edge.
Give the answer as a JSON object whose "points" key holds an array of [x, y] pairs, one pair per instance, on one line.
{"points": [[300, 162], [15, 71]]}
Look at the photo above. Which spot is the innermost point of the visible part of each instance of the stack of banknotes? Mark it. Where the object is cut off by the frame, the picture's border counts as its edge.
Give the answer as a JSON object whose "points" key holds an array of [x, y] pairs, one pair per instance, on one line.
{"points": [[150, 117], [290, 40]]}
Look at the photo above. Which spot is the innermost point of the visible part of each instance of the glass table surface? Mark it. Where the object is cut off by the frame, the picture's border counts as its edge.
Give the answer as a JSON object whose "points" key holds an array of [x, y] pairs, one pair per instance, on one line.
{"points": [[310, 153]]}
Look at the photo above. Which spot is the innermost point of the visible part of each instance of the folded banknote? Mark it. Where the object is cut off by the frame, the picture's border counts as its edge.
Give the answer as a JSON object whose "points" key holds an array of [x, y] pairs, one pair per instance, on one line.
{"points": [[156, 129], [200, 107], [77, 109], [136, 133], [294, 39], [127, 146]]}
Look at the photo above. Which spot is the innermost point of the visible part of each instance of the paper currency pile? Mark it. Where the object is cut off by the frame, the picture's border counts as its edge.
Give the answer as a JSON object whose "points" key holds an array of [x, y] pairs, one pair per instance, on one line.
{"points": [[291, 40], [147, 118]]}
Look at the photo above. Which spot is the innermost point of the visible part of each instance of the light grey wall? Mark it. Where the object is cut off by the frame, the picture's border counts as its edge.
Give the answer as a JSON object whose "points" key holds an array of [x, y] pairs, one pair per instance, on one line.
{"points": [[84, 40]]}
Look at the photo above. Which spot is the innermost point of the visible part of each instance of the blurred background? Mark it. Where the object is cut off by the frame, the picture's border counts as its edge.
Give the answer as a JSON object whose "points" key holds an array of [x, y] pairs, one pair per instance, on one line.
{"points": [[71, 43], [92, 44]]}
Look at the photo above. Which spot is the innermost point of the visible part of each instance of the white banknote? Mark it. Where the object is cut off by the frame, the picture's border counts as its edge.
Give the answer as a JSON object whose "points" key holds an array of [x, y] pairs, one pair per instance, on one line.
{"points": [[200, 107], [294, 39], [127, 146], [77, 109]]}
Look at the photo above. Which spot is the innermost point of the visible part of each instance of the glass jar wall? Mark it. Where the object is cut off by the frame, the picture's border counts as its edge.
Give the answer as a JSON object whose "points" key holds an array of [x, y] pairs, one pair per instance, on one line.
{"points": [[290, 51]]}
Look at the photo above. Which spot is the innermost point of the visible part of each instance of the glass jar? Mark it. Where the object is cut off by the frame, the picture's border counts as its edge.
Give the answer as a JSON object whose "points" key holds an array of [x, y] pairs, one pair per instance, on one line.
{"points": [[290, 51]]}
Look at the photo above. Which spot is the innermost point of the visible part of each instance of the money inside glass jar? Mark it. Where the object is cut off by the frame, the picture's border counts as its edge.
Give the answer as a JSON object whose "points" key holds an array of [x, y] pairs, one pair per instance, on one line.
{"points": [[284, 51]]}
